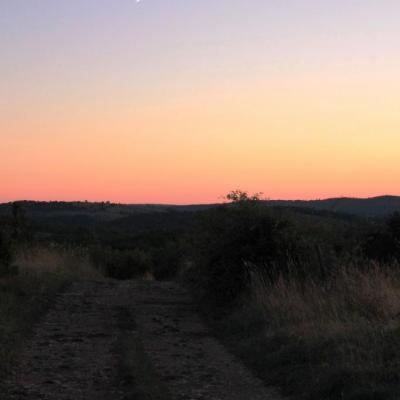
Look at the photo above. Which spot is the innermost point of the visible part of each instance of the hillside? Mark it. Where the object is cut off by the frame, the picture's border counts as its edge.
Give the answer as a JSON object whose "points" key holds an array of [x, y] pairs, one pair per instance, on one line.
{"points": [[369, 207]]}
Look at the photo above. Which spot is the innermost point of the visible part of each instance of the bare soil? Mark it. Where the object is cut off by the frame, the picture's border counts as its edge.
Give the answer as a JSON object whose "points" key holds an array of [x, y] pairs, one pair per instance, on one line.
{"points": [[86, 347]]}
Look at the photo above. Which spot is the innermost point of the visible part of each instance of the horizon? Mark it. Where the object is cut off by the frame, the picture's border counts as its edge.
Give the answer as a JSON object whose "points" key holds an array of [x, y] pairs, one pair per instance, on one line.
{"points": [[177, 102], [197, 203]]}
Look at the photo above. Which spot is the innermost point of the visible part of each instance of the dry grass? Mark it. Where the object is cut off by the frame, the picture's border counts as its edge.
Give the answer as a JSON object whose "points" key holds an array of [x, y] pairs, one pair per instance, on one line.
{"points": [[43, 271], [73, 263], [337, 340], [352, 297]]}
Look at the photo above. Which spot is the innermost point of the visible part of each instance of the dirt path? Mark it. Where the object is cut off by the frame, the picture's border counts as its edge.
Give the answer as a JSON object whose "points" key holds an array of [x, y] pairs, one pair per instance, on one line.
{"points": [[81, 346], [192, 363]]}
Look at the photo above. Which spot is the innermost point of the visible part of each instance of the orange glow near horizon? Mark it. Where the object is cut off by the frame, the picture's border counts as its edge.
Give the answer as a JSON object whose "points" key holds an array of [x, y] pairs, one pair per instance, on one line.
{"points": [[285, 144], [189, 133]]}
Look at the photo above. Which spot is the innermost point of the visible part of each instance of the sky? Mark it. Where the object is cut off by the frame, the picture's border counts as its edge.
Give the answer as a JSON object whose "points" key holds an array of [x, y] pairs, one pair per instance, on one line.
{"points": [[181, 101]]}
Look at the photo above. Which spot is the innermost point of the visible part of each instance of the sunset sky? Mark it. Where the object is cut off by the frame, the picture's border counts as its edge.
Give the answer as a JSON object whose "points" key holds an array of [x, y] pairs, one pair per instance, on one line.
{"points": [[180, 101]]}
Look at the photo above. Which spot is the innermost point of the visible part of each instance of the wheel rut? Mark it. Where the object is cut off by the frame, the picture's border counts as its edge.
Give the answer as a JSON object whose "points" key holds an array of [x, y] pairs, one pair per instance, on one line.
{"points": [[71, 354], [188, 359]]}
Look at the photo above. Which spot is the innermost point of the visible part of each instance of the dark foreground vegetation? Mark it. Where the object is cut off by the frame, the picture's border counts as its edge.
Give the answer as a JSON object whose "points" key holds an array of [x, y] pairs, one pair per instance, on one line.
{"points": [[310, 299]]}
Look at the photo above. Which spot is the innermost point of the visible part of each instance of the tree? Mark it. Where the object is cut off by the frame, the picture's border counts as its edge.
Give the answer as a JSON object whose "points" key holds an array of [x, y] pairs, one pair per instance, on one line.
{"points": [[241, 196]]}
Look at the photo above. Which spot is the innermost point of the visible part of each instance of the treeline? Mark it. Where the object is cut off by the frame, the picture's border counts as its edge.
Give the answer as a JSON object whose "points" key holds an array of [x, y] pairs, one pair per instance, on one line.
{"points": [[231, 242], [220, 246], [122, 248]]}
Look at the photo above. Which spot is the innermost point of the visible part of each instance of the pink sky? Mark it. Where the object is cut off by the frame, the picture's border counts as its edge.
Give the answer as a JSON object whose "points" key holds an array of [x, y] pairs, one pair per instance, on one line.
{"points": [[181, 102]]}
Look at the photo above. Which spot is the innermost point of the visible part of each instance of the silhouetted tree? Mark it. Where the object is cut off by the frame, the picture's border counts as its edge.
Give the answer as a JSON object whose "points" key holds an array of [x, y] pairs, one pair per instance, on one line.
{"points": [[241, 196]]}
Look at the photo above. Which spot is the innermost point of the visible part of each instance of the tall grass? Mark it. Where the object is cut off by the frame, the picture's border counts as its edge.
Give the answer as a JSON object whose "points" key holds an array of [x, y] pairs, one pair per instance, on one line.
{"points": [[24, 296], [339, 339], [66, 262], [352, 296]]}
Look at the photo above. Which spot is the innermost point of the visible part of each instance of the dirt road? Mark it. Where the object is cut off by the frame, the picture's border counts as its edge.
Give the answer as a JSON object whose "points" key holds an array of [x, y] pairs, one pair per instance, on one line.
{"points": [[130, 341]]}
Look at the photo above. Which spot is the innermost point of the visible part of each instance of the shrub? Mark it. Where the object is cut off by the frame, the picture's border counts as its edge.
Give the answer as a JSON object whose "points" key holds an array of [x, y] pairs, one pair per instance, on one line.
{"points": [[5, 257], [232, 239], [122, 264], [166, 260], [384, 245]]}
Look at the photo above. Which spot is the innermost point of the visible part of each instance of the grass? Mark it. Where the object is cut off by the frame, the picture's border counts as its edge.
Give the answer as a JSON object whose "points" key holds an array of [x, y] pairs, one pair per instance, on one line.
{"points": [[42, 272], [338, 340]]}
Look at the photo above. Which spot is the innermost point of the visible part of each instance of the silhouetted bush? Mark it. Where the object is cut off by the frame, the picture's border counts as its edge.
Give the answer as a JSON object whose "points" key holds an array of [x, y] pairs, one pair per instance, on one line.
{"points": [[166, 260], [233, 239], [394, 230], [384, 244], [122, 264], [5, 257]]}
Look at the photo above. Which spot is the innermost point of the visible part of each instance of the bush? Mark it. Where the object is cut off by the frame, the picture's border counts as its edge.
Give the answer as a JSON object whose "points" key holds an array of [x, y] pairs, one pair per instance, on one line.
{"points": [[232, 239], [166, 260], [122, 264], [5, 257], [384, 245]]}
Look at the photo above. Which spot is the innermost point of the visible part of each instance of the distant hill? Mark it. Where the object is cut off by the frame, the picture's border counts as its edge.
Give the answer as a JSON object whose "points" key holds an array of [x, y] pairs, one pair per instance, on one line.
{"points": [[123, 225], [368, 207], [103, 211]]}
